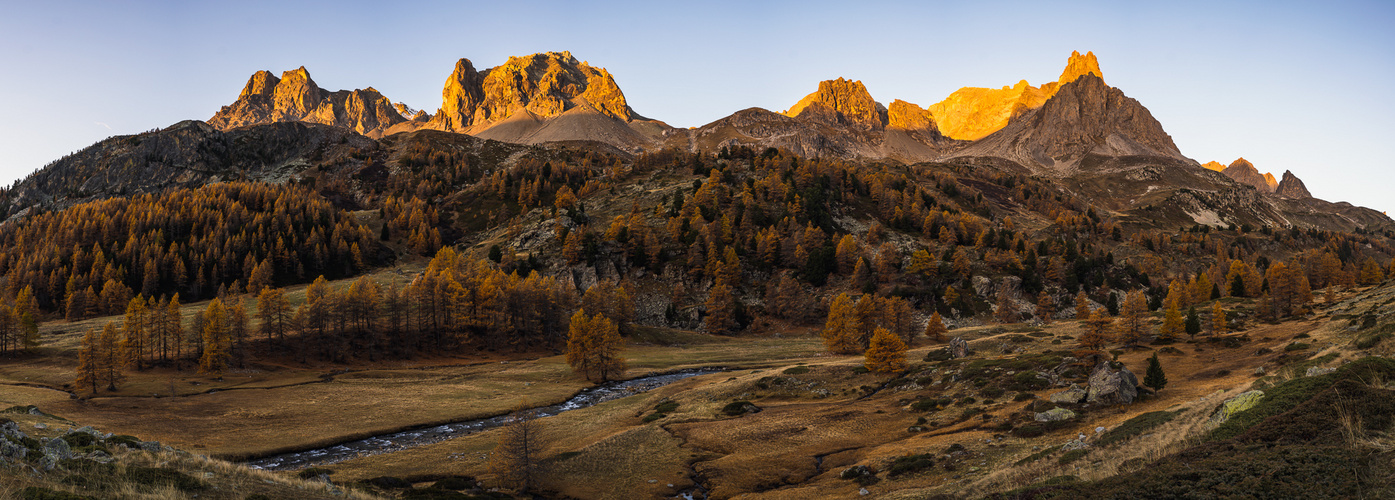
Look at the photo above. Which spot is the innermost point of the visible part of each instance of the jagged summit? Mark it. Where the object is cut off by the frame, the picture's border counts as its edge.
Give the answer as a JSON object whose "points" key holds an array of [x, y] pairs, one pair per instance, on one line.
{"points": [[1079, 66], [295, 97], [1244, 172], [1292, 187], [841, 101], [544, 85], [972, 113], [1084, 118], [1213, 165]]}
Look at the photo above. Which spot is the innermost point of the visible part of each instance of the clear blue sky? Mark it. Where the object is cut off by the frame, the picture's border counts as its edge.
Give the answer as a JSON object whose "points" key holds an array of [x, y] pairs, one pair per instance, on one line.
{"points": [[1290, 86]]}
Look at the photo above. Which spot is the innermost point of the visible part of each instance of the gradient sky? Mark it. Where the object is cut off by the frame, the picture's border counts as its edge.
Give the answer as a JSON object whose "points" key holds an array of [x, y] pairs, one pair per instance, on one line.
{"points": [[1290, 86]]}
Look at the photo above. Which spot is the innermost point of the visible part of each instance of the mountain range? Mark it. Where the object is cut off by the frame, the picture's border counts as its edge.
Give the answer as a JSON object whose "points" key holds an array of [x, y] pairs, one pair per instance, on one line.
{"points": [[1090, 136]]}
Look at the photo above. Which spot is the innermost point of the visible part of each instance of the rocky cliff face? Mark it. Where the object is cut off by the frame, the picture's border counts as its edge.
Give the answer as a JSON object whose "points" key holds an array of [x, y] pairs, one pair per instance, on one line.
{"points": [[295, 97], [841, 102], [1291, 187], [1244, 172], [543, 85], [972, 113]]}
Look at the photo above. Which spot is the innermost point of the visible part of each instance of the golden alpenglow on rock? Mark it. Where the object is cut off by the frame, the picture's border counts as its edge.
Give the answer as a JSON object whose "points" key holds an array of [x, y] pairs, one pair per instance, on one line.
{"points": [[971, 113], [841, 101]]}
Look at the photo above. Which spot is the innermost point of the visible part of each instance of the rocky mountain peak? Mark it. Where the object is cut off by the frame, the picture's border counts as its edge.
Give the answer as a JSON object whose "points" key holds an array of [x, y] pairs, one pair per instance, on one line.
{"points": [[1213, 165], [908, 116], [262, 83], [1244, 172], [1078, 66], [295, 97], [544, 85], [846, 101], [1292, 187]]}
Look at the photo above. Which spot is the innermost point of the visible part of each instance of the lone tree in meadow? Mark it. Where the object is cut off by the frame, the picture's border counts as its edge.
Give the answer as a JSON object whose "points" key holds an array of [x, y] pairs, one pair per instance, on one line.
{"points": [[516, 456], [1155, 378], [593, 347], [887, 353], [935, 328]]}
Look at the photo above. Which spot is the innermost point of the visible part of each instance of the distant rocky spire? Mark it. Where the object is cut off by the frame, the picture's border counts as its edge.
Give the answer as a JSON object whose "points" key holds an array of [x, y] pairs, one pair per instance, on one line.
{"points": [[1291, 187]]}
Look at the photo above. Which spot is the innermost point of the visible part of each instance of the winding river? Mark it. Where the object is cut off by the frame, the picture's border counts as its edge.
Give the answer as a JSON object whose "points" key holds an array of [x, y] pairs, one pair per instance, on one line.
{"points": [[398, 441]]}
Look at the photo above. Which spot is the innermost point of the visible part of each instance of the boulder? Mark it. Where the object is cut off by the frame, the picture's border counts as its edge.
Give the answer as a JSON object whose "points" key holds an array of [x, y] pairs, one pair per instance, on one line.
{"points": [[11, 450], [1055, 415], [1075, 394], [958, 347], [1237, 404], [1109, 386], [1314, 371], [58, 449]]}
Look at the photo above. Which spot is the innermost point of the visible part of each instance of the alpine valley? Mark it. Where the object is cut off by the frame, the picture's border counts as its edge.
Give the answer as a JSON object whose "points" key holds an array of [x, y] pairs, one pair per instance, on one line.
{"points": [[534, 291]]}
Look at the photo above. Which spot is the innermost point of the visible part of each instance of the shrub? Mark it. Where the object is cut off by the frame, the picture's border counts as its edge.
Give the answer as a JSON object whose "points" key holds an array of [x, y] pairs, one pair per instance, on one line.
{"points": [[737, 408], [1135, 426], [314, 472], [911, 463], [1072, 455], [455, 483], [652, 417], [1296, 346], [160, 476], [1024, 396], [37, 493], [666, 407], [796, 370]]}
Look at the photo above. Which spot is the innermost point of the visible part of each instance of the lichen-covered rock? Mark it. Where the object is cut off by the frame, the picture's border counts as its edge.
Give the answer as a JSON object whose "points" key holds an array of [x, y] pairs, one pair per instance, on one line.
{"points": [[1073, 395], [1054, 415], [1110, 386], [1237, 404]]}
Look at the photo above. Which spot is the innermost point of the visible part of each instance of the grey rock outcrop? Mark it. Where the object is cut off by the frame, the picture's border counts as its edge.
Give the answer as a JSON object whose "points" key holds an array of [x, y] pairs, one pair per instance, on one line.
{"points": [[1073, 395], [958, 347], [1109, 386]]}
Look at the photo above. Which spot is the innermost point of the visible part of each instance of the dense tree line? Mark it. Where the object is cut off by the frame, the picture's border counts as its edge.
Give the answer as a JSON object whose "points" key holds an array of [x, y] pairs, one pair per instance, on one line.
{"points": [[92, 258]]}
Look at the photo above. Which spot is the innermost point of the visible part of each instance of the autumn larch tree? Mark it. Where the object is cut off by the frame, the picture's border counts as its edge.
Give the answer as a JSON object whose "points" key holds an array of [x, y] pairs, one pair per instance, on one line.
{"points": [[1045, 307], [593, 347], [135, 340], [935, 328], [1007, 307], [1173, 325], [1133, 319], [886, 354], [518, 453], [216, 341], [274, 311], [1096, 334], [1082, 306], [89, 369], [842, 329], [721, 310], [1218, 323], [111, 361]]}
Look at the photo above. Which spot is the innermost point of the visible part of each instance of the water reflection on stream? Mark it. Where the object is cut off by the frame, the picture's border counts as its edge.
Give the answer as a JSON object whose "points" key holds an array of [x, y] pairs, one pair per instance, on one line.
{"points": [[398, 441]]}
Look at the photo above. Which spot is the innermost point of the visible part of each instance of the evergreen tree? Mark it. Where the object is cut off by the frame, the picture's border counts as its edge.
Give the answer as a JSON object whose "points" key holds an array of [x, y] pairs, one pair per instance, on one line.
{"points": [[1193, 323], [1155, 378]]}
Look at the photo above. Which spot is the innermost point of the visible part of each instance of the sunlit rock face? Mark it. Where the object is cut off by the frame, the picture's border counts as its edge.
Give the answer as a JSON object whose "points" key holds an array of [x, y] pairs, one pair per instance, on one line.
{"points": [[295, 97], [972, 113]]}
